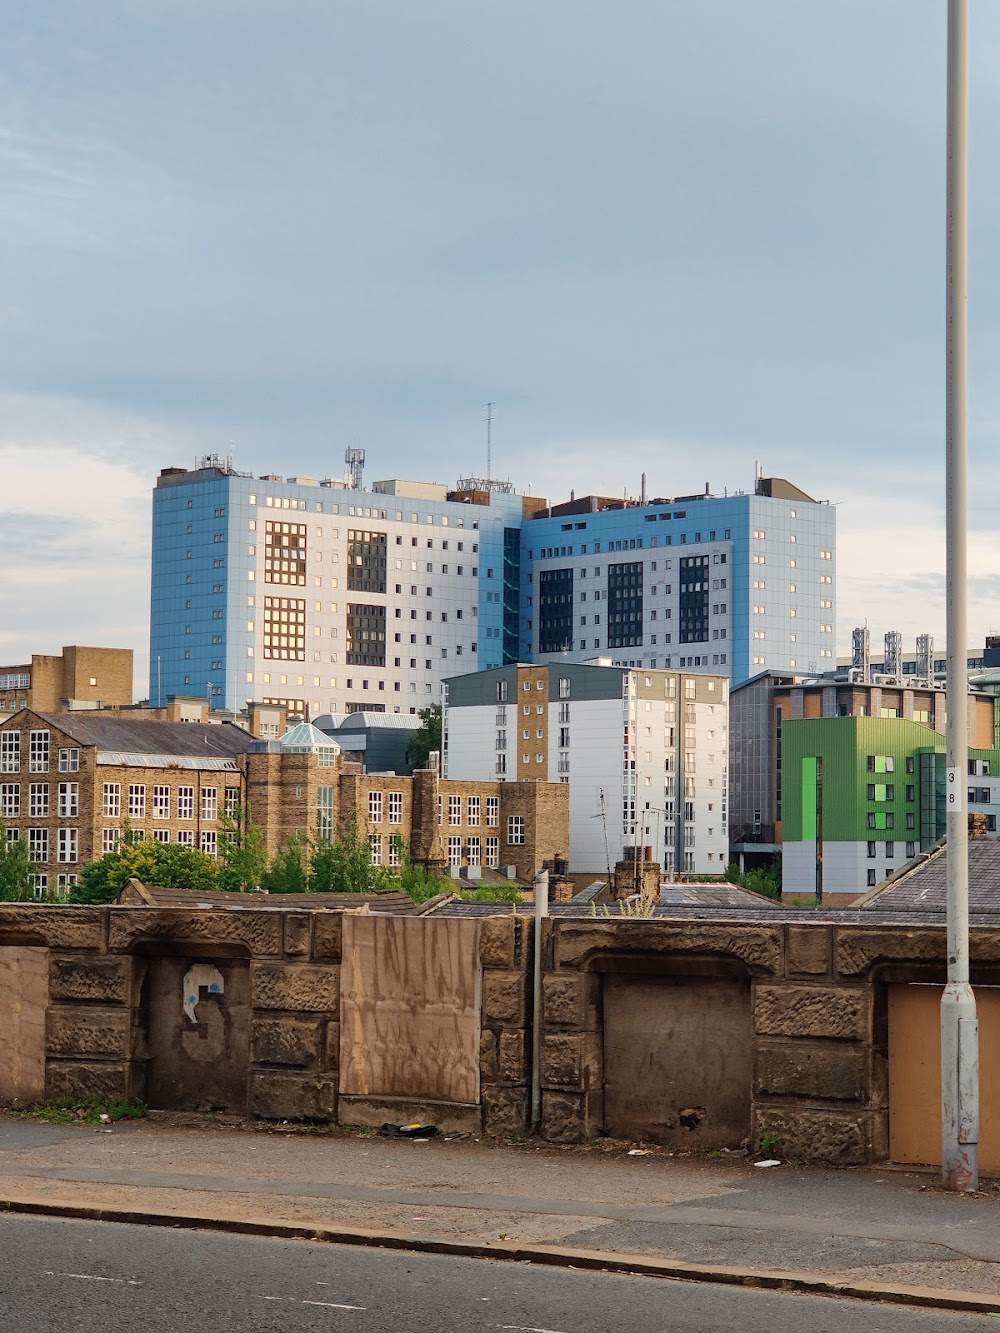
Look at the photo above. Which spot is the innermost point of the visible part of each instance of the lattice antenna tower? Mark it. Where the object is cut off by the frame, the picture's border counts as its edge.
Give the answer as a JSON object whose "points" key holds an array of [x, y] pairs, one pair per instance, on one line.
{"points": [[355, 460]]}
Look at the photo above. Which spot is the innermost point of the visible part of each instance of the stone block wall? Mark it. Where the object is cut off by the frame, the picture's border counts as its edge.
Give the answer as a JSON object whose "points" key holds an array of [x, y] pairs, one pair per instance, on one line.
{"points": [[505, 953], [818, 999], [816, 989], [99, 1036]]}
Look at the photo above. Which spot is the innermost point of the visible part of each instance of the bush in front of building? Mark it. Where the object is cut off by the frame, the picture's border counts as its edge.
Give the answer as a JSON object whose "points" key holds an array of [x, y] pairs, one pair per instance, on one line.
{"points": [[167, 865]]}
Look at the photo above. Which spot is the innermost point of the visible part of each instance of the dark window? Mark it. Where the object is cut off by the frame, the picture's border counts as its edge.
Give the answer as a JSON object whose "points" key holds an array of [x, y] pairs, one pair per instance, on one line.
{"points": [[365, 560], [365, 635], [693, 585], [555, 610], [624, 614]]}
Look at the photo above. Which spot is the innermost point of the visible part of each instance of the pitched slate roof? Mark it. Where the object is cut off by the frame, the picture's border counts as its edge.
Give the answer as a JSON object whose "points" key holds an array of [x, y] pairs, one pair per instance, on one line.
{"points": [[184, 739], [923, 887]]}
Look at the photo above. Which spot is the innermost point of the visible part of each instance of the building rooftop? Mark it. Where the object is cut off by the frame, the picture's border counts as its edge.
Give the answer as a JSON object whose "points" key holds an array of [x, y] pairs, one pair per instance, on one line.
{"points": [[921, 887], [393, 901], [121, 735]]}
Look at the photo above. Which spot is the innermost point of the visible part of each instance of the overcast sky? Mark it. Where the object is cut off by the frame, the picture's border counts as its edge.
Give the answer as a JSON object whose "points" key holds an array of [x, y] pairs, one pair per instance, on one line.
{"points": [[672, 236]]}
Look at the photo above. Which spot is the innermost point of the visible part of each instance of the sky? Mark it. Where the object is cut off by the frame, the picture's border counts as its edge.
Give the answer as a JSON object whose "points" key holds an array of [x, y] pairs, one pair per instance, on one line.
{"points": [[667, 236]]}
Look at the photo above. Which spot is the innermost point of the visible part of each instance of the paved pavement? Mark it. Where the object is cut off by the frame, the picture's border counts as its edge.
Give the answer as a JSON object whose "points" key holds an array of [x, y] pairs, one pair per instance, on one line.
{"points": [[880, 1225], [57, 1276]]}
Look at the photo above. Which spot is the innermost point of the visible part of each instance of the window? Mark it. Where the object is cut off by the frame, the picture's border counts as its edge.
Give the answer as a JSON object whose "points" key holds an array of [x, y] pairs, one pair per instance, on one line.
{"points": [[375, 848], [515, 830], [210, 842], [69, 800], [185, 837], [454, 810], [871, 879], [911, 821], [68, 844], [109, 840], [69, 760], [38, 800], [395, 808], [10, 752], [374, 807], [395, 850], [871, 851], [10, 800], [232, 806], [473, 816], [38, 752], [492, 852], [112, 800], [136, 800], [492, 811], [185, 803], [161, 835], [455, 851], [475, 851], [38, 844], [161, 803], [210, 804]]}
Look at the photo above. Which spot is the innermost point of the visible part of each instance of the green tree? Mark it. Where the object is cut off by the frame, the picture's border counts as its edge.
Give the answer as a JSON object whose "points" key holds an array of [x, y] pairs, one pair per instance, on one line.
{"points": [[242, 851], [426, 738], [288, 872], [16, 878], [343, 864], [167, 864]]}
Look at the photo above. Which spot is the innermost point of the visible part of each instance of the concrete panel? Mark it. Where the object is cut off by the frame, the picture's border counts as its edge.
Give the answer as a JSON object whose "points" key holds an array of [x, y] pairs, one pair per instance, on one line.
{"points": [[678, 1060], [199, 1034], [24, 996]]}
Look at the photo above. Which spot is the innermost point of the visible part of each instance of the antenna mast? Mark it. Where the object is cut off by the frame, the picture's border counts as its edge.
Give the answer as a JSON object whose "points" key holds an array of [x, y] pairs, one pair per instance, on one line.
{"points": [[490, 410], [355, 460]]}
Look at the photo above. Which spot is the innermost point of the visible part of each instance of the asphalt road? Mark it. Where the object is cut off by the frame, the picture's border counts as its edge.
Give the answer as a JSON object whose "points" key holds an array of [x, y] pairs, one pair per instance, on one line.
{"points": [[59, 1275]]}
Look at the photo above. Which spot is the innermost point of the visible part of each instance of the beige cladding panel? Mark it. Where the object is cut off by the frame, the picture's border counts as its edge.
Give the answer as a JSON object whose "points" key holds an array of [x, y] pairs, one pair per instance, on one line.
{"points": [[24, 996]]}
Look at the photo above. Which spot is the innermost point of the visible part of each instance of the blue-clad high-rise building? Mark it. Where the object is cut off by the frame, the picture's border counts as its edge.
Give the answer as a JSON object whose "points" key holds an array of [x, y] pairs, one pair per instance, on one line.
{"points": [[334, 599], [329, 599], [735, 584]]}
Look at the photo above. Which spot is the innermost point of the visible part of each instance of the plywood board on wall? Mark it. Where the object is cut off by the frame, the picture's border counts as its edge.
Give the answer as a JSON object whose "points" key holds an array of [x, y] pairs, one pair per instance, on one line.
{"points": [[24, 996], [915, 1075], [410, 999]]}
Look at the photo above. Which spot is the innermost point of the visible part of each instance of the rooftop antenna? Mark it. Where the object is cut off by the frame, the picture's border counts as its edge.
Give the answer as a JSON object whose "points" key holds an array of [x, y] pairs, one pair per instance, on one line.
{"points": [[490, 413], [355, 460], [487, 483]]}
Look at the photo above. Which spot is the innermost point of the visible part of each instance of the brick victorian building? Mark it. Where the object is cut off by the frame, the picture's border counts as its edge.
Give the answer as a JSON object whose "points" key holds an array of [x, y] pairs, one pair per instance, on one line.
{"points": [[71, 782]]}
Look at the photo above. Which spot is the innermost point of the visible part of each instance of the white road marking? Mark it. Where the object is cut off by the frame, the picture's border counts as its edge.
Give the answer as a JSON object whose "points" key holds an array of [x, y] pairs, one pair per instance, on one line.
{"points": [[332, 1305], [327, 1305], [93, 1277], [526, 1328]]}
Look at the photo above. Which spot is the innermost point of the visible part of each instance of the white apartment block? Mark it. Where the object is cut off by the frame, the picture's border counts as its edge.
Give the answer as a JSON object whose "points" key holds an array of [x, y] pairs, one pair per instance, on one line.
{"points": [[645, 754]]}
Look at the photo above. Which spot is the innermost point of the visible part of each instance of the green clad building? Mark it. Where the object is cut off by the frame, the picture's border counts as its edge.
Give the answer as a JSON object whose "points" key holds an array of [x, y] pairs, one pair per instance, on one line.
{"points": [[863, 795]]}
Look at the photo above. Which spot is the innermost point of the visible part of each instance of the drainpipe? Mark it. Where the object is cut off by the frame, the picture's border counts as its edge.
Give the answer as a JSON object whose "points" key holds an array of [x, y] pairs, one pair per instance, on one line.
{"points": [[541, 912]]}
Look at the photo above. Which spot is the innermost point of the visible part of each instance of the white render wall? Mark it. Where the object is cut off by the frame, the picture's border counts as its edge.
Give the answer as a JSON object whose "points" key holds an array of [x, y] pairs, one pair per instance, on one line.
{"points": [[602, 757]]}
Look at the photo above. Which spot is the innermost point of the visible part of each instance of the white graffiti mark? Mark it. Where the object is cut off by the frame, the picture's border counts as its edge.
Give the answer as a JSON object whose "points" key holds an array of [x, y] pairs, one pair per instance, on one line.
{"points": [[202, 976]]}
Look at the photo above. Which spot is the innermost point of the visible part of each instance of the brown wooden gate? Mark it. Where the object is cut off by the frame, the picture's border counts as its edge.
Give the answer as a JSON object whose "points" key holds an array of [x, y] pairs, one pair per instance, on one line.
{"points": [[915, 1074]]}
